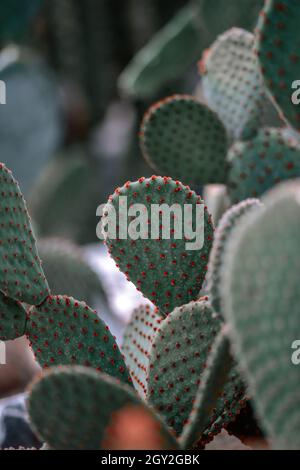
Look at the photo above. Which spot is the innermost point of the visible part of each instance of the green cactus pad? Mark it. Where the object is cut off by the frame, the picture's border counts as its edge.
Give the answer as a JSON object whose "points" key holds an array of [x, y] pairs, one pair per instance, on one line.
{"points": [[12, 319], [73, 408], [177, 362], [68, 273], [232, 83], [278, 48], [215, 377], [258, 165], [166, 56], [138, 337], [21, 274], [183, 138], [223, 233], [261, 298], [166, 271], [64, 331]]}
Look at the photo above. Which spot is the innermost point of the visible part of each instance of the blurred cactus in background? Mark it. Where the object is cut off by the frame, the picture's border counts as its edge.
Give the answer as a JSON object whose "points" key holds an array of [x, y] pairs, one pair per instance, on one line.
{"points": [[210, 349]]}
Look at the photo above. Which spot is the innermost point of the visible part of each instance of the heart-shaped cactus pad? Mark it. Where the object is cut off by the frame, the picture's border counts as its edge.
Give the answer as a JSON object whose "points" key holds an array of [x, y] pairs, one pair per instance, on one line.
{"points": [[160, 234]]}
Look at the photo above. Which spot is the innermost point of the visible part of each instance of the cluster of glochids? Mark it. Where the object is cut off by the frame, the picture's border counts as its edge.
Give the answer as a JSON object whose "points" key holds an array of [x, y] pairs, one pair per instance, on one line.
{"points": [[217, 333]]}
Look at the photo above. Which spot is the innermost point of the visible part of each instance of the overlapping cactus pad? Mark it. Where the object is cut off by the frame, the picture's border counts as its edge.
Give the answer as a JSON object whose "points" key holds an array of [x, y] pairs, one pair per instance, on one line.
{"points": [[261, 298], [223, 234], [64, 331], [259, 164], [75, 408], [21, 274], [278, 46], [177, 362], [183, 138], [164, 270], [12, 318], [137, 343], [232, 84]]}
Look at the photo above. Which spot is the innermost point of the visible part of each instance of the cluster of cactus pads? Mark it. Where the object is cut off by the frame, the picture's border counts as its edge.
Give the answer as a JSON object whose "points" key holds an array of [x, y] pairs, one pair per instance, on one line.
{"points": [[190, 364]]}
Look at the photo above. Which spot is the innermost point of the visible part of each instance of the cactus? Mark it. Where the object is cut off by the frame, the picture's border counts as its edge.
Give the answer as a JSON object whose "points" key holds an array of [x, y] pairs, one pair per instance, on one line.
{"points": [[137, 343], [64, 331], [68, 273], [182, 137], [80, 395], [28, 138], [210, 390], [223, 233], [260, 297], [232, 83], [139, 259], [12, 319], [177, 363], [141, 77], [278, 51], [259, 164], [21, 274]]}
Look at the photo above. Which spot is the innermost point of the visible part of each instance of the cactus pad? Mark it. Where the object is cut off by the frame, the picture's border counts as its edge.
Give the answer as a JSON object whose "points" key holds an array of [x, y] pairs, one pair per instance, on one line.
{"points": [[21, 274], [156, 64], [12, 319], [258, 165], [261, 297], [216, 375], [183, 138], [63, 331], [177, 362], [232, 83], [74, 408], [138, 337], [223, 233], [166, 271], [278, 47]]}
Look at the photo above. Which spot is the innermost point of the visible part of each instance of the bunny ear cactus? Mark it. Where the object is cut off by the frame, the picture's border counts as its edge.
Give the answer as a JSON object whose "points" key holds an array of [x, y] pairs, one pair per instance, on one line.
{"points": [[164, 269], [223, 234], [259, 164], [138, 338], [12, 318], [232, 83], [90, 400], [182, 137], [278, 51], [177, 363], [21, 275], [260, 295], [63, 331]]}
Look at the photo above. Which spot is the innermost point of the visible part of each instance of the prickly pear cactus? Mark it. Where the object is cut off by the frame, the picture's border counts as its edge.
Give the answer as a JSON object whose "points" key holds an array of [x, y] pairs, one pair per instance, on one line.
{"points": [[137, 343], [183, 138], [21, 274], [223, 233], [232, 84], [177, 362], [260, 294], [278, 47], [164, 269], [259, 164], [91, 400], [64, 331], [12, 319]]}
